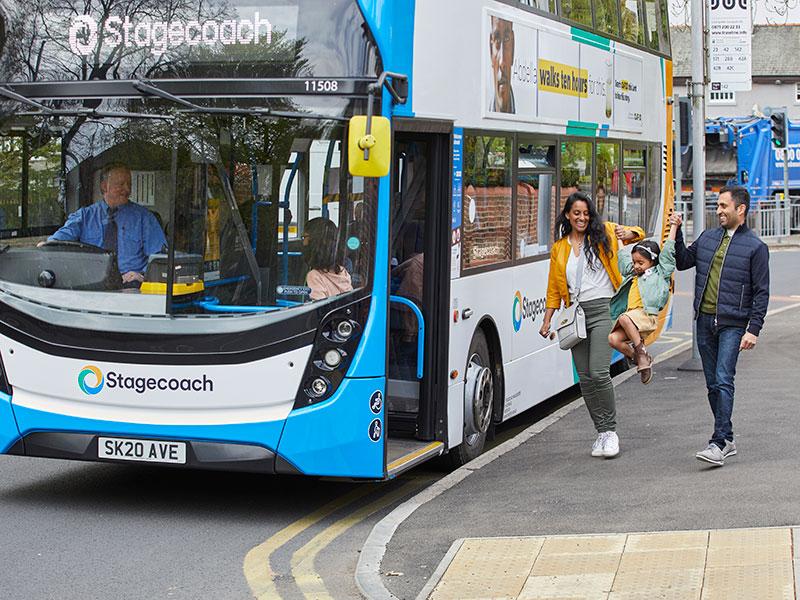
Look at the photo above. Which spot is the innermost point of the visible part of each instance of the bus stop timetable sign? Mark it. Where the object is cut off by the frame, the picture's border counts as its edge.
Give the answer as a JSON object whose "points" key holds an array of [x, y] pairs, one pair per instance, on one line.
{"points": [[730, 26]]}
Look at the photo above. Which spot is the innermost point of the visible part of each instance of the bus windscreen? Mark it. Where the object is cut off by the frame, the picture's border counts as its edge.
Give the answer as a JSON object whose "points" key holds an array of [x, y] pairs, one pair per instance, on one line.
{"points": [[251, 214]]}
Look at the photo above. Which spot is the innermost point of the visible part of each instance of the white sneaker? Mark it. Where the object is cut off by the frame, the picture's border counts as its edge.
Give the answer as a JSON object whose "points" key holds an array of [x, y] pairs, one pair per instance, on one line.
{"points": [[611, 444], [597, 447]]}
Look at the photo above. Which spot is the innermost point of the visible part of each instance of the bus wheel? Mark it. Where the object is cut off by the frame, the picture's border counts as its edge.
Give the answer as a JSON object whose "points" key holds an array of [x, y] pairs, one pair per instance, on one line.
{"points": [[478, 401]]}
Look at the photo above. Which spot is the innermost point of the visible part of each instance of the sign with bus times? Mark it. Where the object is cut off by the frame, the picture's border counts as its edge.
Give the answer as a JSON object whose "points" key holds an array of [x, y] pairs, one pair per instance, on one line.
{"points": [[730, 26], [457, 199], [549, 75]]}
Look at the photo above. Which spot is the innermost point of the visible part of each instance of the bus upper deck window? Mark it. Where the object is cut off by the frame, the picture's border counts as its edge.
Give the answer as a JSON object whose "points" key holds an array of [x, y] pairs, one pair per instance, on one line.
{"points": [[606, 13], [577, 10], [632, 26], [543, 5]]}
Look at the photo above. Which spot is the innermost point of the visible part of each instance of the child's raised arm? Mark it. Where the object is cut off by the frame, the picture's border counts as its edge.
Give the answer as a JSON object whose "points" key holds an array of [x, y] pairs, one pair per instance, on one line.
{"points": [[666, 260], [675, 220]]}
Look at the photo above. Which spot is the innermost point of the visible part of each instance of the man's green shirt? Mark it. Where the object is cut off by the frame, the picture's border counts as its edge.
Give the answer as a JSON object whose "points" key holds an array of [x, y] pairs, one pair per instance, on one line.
{"points": [[709, 303]]}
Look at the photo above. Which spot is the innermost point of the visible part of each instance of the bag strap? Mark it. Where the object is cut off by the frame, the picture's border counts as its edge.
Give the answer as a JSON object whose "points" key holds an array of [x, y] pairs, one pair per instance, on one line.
{"points": [[581, 263]]}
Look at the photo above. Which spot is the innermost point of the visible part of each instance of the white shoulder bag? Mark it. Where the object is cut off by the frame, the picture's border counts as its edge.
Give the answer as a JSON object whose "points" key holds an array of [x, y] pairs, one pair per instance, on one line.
{"points": [[571, 326]]}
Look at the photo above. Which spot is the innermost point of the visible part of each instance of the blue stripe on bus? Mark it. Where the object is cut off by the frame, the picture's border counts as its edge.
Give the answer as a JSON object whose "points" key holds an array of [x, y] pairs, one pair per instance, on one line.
{"points": [[369, 359], [392, 24], [9, 433], [332, 438], [266, 434]]}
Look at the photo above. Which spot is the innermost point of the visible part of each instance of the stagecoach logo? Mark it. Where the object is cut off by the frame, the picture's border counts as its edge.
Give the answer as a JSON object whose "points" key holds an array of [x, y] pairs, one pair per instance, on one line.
{"points": [[86, 34], [93, 375], [91, 381], [525, 308]]}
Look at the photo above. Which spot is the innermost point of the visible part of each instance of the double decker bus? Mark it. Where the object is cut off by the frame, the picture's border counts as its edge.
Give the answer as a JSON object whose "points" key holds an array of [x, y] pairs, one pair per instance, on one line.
{"points": [[304, 236]]}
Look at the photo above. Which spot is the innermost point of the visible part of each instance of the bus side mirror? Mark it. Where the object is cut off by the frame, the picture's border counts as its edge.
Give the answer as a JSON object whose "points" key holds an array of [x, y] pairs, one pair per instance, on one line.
{"points": [[369, 154]]}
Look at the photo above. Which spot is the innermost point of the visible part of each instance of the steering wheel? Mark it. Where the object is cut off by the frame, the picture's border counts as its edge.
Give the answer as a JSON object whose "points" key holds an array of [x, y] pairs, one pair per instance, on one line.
{"points": [[70, 245]]}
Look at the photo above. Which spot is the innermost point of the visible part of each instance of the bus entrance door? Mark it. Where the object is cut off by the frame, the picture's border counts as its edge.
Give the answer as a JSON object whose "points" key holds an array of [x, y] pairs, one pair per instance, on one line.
{"points": [[418, 308]]}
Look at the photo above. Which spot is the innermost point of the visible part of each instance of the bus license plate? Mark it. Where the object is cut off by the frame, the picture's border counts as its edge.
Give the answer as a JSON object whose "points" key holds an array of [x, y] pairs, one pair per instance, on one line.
{"points": [[142, 450]]}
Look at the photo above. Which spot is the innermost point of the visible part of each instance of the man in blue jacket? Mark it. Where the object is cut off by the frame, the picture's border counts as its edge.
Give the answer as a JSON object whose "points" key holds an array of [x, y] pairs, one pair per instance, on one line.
{"points": [[127, 229], [731, 293]]}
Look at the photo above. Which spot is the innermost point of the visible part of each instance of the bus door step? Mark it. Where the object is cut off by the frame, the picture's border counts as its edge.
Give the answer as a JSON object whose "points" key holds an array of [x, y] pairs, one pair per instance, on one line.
{"points": [[403, 454]]}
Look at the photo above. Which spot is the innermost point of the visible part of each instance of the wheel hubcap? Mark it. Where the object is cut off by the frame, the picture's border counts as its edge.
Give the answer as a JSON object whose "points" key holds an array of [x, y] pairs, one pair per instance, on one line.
{"points": [[478, 398]]}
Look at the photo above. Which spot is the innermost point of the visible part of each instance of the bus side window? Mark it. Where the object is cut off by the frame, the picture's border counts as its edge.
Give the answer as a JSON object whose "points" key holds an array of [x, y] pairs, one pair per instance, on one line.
{"points": [[543, 5], [577, 10], [632, 23], [576, 169], [606, 189], [606, 15], [487, 200], [657, 34], [653, 192], [536, 195], [635, 183]]}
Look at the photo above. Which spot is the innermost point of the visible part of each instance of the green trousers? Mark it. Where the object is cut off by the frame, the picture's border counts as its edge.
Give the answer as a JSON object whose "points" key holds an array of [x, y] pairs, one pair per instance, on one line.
{"points": [[592, 359]]}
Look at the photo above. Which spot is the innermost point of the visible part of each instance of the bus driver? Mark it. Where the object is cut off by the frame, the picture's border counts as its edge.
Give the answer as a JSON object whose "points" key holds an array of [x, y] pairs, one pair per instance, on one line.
{"points": [[118, 225]]}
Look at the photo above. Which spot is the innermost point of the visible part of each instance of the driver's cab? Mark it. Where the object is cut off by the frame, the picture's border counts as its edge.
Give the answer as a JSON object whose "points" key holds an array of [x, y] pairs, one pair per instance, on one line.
{"points": [[225, 215]]}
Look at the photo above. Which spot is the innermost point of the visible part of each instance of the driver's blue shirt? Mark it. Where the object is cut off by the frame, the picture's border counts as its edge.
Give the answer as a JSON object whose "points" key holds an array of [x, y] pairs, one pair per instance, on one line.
{"points": [[138, 233]]}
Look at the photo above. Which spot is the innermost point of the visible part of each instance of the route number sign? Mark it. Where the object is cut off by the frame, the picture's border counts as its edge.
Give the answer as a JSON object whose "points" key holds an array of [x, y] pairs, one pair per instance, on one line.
{"points": [[730, 26]]}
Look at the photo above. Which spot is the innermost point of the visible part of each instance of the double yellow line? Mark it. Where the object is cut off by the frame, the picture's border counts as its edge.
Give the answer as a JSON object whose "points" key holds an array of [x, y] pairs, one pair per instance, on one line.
{"points": [[258, 570]]}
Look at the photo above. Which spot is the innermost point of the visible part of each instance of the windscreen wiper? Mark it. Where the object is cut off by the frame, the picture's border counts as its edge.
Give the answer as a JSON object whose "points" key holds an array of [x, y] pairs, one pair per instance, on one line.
{"points": [[91, 113], [148, 88], [4, 91]]}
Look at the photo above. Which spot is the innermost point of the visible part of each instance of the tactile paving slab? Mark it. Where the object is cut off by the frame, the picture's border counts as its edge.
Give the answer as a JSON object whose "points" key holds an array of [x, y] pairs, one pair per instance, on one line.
{"points": [[489, 568], [773, 581], [591, 585], [575, 564], [583, 544], [669, 540], [755, 564]]}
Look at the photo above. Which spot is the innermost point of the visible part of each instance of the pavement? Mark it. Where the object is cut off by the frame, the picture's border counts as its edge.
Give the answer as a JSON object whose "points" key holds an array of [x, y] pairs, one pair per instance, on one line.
{"points": [[499, 532]]}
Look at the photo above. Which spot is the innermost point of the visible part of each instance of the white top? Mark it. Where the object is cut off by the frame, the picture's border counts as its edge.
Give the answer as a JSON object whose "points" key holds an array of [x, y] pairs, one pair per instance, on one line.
{"points": [[595, 284]]}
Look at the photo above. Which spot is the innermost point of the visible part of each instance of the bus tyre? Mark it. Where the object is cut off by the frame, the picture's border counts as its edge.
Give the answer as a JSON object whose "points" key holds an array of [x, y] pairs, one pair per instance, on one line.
{"points": [[479, 391]]}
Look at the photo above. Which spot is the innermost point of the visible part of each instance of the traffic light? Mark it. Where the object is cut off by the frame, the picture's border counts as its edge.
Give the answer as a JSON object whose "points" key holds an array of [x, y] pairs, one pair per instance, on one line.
{"points": [[779, 127]]}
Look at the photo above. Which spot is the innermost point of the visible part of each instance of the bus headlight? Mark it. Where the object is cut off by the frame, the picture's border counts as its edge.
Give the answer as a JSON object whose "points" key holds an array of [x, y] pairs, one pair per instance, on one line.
{"points": [[338, 335], [332, 358], [318, 387], [344, 330]]}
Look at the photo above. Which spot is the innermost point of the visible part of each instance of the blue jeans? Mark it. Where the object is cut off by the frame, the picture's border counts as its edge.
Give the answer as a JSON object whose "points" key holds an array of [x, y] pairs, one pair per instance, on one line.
{"points": [[719, 351]]}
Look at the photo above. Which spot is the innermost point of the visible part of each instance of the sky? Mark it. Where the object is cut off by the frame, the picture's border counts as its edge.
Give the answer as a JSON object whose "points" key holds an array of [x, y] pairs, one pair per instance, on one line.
{"points": [[772, 12]]}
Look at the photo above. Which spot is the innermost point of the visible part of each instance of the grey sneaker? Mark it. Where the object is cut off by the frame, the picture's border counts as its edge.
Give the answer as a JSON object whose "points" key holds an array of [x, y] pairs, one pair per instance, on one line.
{"points": [[712, 455], [729, 449]]}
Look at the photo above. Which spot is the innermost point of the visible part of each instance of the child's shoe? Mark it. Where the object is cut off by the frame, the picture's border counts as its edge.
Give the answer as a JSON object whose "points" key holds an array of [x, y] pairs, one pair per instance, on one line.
{"points": [[631, 360], [644, 363]]}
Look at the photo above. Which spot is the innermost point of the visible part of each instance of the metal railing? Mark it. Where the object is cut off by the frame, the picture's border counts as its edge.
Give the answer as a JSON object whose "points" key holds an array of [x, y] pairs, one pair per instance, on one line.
{"points": [[768, 217]]}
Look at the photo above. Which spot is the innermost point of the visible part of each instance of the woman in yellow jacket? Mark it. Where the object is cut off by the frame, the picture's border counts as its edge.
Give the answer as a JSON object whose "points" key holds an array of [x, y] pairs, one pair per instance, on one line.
{"points": [[580, 229]]}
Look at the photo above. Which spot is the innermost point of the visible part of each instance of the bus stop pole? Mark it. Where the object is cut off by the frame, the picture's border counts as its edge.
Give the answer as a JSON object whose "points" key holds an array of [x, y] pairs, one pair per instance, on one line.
{"points": [[783, 221], [676, 161], [697, 92]]}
